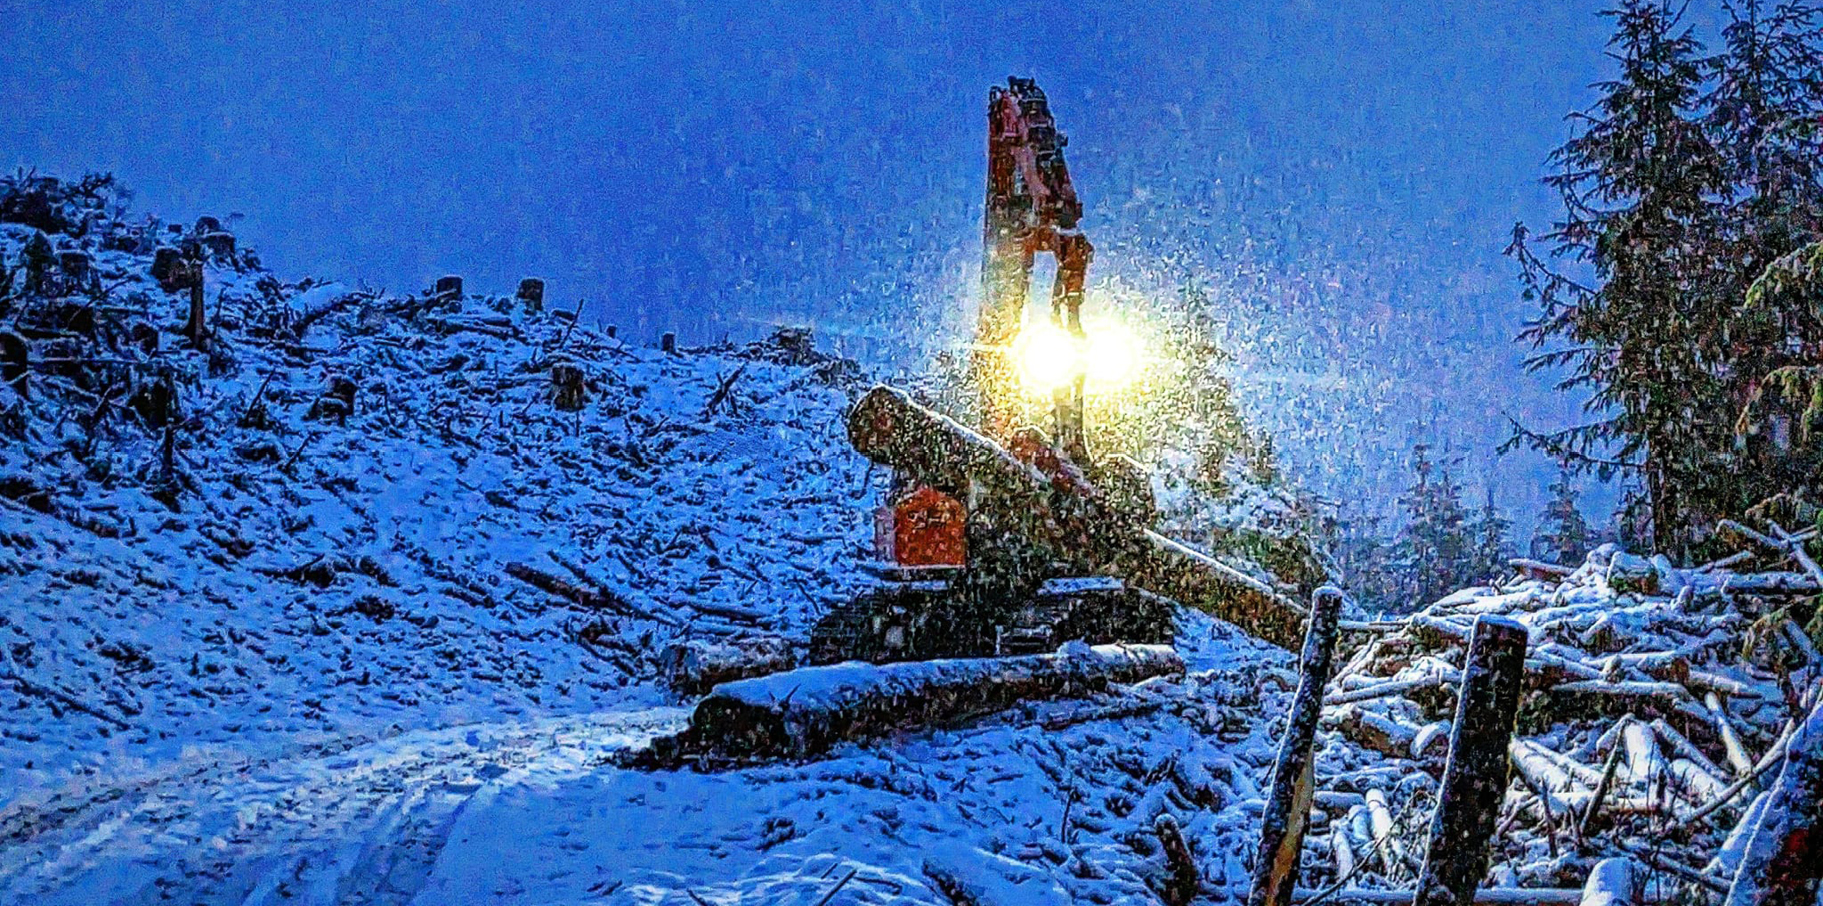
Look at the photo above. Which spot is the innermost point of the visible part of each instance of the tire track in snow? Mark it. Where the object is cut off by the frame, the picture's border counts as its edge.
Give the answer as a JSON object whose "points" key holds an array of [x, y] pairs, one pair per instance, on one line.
{"points": [[359, 825]]}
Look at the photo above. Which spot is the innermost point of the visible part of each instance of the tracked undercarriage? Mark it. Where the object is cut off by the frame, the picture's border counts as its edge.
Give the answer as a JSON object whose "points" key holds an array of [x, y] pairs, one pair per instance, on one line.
{"points": [[926, 618]]}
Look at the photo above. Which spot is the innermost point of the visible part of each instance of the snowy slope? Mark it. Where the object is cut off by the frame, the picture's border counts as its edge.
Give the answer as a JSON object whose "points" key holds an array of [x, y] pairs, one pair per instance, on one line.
{"points": [[308, 664], [320, 575], [400, 652]]}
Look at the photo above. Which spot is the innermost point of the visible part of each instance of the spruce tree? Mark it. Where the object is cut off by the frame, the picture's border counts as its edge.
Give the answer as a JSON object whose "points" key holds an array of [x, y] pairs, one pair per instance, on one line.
{"points": [[1563, 534], [1687, 181], [1763, 117], [1492, 547], [1766, 117], [1637, 183], [1432, 551]]}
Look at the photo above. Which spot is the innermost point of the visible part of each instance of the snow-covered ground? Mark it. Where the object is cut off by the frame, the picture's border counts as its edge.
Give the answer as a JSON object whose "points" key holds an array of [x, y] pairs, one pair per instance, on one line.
{"points": [[334, 573], [323, 660], [1043, 804], [289, 650]]}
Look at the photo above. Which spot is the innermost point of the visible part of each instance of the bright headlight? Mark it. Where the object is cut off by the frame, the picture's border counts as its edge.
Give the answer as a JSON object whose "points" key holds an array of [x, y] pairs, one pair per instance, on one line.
{"points": [[1048, 357], [1113, 356]]}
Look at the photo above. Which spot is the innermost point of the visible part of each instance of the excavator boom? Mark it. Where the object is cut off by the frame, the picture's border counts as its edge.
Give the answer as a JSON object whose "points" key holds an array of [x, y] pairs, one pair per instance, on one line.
{"points": [[1031, 208]]}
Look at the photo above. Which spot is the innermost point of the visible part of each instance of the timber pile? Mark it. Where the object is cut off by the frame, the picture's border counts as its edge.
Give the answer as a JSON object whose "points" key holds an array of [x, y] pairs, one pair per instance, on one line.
{"points": [[802, 713], [1660, 704]]}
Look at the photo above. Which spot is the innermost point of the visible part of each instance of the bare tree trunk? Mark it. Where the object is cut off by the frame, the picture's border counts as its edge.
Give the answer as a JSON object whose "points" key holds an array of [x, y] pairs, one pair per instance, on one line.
{"points": [[196, 329]]}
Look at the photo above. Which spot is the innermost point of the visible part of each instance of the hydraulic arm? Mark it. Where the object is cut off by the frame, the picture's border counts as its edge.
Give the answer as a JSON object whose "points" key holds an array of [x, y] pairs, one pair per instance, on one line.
{"points": [[1031, 208]]}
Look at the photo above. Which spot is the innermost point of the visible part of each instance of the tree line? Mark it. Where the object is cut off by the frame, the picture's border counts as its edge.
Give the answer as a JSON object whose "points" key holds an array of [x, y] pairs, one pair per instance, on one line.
{"points": [[1678, 292], [1678, 289]]}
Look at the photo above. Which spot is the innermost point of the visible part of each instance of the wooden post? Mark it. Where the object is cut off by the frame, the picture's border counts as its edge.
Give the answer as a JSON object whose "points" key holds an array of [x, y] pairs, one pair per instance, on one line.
{"points": [[1275, 868], [1475, 777], [1184, 883], [668, 343], [1783, 862]]}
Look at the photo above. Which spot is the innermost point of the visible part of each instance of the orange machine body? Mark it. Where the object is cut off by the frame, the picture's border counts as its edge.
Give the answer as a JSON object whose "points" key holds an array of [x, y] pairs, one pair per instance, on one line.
{"points": [[924, 527]]}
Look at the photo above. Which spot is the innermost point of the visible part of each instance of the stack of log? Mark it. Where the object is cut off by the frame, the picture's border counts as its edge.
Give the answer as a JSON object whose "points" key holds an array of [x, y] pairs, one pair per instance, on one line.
{"points": [[1669, 723]]}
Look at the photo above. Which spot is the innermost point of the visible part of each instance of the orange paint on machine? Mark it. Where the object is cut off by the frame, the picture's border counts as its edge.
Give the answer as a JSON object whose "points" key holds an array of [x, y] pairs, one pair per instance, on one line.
{"points": [[924, 527]]}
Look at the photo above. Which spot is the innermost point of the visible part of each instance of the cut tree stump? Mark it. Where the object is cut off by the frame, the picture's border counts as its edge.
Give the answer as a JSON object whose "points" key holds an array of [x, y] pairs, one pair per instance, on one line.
{"points": [[1475, 776], [531, 294], [1287, 816], [801, 713], [570, 393]]}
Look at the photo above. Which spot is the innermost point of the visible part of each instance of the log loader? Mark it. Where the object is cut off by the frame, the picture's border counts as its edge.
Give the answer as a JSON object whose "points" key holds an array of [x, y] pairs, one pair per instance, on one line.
{"points": [[1006, 540]]}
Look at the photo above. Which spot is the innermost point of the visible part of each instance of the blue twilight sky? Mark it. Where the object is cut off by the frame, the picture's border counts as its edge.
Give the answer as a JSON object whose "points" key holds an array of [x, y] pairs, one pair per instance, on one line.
{"points": [[1344, 173]]}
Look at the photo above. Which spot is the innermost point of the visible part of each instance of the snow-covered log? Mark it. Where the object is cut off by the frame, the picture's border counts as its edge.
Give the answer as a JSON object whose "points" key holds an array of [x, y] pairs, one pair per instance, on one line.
{"points": [[1379, 732], [1731, 741], [1475, 778], [1380, 823], [1287, 815], [1647, 705], [1783, 861], [1611, 883], [803, 712], [694, 666], [1643, 762]]}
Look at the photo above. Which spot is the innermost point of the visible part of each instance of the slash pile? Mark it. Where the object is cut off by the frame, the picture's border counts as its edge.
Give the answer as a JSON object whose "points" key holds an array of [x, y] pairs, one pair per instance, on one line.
{"points": [[1660, 703]]}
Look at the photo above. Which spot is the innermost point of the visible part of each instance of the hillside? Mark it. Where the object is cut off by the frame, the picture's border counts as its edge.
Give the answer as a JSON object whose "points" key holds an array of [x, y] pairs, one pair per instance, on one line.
{"points": [[333, 595], [326, 601], [310, 569]]}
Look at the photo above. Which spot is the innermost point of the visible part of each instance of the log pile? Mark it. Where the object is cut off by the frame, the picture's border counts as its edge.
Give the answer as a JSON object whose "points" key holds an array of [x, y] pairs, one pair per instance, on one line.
{"points": [[1660, 705], [1063, 517]]}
